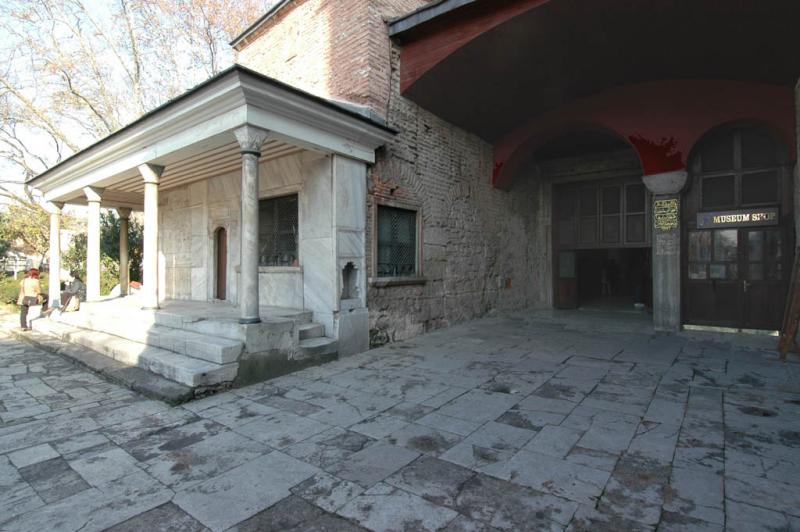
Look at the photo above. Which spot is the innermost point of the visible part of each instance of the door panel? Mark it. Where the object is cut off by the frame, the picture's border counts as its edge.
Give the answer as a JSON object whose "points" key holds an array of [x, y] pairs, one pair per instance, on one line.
{"points": [[764, 281], [566, 280]]}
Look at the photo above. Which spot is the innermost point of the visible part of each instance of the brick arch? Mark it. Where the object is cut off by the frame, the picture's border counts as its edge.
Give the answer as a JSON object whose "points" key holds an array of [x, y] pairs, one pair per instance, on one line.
{"points": [[662, 120]]}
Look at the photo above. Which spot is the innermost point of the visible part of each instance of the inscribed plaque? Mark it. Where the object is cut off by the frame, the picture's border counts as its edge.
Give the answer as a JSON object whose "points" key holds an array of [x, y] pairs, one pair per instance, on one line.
{"points": [[665, 214]]}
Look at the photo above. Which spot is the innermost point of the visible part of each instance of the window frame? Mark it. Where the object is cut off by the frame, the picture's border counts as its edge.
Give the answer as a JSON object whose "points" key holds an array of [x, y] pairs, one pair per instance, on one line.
{"points": [[379, 201], [277, 196]]}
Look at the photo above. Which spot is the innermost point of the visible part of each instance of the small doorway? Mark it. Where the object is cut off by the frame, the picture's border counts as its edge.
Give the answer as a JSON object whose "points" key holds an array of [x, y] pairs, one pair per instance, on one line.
{"points": [[221, 262]]}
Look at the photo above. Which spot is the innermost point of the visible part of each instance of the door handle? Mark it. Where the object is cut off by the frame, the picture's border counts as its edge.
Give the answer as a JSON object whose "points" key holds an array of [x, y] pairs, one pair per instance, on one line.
{"points": [[746, 284]]}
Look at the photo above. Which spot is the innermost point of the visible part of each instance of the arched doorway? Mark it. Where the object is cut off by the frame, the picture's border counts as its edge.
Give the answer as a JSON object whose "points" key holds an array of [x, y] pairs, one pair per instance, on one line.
{"points": [[601, 222], [221, 262], [738, 230]]}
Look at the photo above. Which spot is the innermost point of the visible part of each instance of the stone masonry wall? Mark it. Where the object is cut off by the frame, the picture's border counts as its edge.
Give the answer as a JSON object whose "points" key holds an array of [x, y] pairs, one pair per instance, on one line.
{"points": [[483, 249]]}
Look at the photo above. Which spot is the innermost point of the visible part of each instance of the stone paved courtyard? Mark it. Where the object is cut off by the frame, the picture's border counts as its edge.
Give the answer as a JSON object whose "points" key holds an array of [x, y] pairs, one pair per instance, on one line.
{"points": [[510, 423]]}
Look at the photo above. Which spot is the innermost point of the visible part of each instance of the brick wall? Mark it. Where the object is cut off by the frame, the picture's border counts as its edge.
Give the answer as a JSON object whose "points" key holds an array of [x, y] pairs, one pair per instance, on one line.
{"points": [[483, 248]]}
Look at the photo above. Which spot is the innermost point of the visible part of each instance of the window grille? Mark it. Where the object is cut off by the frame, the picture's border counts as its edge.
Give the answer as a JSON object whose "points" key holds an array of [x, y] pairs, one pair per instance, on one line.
{"points": [[277, 235], [397, 242]]}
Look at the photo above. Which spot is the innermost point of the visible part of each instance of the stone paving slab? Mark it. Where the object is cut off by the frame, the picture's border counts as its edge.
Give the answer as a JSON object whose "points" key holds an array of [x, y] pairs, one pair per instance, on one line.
{"points": [[514, 422]]}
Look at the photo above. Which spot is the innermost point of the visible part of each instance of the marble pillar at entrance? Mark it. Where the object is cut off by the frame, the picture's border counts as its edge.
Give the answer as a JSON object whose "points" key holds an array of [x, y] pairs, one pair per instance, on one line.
{"points": [[54, 280], [666, 211], [124, 268], [250, 140], [93, 197], [151, 175]]}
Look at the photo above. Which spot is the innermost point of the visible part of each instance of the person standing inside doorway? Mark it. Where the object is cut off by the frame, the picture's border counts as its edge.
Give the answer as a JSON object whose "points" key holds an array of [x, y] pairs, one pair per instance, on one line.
{"points": [[29, 292]]}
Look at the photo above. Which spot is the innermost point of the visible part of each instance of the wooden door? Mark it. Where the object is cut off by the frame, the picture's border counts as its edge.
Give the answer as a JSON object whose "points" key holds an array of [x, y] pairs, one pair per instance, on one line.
{"points": [[764, 272], [221, 245]]}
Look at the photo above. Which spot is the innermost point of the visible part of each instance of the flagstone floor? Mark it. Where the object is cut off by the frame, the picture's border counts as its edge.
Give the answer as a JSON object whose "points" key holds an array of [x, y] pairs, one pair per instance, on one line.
{"points": [[518, 422]]}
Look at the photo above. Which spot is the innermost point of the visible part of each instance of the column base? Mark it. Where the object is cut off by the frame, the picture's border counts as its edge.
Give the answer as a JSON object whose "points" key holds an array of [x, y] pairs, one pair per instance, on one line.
{"points": [[249, 321]]}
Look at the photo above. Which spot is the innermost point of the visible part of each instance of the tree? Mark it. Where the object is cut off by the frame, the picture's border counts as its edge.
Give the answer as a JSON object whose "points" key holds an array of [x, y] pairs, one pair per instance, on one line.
{"points": [[75, 258], [74, 72], [25, 224]]}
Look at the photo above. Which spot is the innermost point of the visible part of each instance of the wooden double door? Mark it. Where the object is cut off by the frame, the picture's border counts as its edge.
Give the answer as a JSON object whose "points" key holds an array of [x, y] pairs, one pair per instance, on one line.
{"points": [[736, 277]]}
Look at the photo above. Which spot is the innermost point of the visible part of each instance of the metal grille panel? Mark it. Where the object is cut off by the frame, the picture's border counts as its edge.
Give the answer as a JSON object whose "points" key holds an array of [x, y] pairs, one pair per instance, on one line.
{"points": [[397, 242], [277, 220]]}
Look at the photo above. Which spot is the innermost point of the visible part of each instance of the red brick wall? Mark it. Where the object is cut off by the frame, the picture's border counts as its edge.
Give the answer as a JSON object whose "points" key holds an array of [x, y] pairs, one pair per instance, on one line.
{"points": [[336, 49], [483, 248]]}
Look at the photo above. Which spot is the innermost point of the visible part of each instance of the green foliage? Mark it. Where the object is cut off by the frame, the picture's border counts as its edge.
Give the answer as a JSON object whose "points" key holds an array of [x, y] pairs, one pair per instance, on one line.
{"points": [[75, 257], [9, 287]]}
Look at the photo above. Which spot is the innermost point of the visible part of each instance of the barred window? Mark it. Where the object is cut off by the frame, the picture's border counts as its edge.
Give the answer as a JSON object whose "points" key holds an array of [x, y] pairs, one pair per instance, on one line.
{"points": [[397, 242], [277, 231]]}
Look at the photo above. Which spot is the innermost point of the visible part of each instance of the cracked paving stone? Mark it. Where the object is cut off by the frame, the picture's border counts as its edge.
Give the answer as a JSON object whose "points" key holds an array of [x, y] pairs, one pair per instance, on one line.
{"points": [[678, 522], [590, 519], [327, 449], [637, 490], [293, 514], [327, 492], [558, 477], [53, 479], [432, 479], [423, 439], [373, 464], [507, 506], [697, 494], [396, 510], [238, 494], [164, 518]]}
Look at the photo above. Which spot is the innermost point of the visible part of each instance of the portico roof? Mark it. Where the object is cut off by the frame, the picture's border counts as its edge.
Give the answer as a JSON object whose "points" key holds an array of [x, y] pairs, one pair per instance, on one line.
{"points": [[192, 137]]}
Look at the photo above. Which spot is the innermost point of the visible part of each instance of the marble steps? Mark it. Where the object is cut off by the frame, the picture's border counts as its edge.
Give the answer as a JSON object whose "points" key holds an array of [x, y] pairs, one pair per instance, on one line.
{"points": [[310, 330], [317, 347], [218, 350], [189, 371]]}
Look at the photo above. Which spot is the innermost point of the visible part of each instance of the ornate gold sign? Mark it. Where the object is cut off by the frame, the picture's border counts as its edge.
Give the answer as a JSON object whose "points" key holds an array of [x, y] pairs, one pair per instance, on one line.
{"points": [[665, 214], [743, 218]]}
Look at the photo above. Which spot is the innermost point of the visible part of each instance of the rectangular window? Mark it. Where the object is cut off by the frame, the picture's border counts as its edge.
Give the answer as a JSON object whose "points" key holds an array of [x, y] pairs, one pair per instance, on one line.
{"points": [[397, 242], [277, 231]]}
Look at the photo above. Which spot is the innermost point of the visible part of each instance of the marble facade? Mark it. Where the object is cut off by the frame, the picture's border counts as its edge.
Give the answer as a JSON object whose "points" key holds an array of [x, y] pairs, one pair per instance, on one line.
{"points": [[331, 193]]}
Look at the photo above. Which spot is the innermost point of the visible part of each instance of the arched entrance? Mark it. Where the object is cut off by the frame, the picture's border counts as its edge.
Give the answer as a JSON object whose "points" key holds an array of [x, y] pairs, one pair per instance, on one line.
{"points": [[738, 230], [601, 222], [221, 262]]}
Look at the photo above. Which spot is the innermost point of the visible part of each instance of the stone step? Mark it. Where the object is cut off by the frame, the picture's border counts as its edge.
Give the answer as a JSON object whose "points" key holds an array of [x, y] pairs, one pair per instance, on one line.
{"points": [[317, 347], [220, 326], [210, 348], [185, 370], [310, 330]]}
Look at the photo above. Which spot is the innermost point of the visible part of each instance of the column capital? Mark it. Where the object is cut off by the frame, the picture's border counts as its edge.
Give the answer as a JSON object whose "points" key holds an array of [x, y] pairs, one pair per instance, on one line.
{"points": [[53, 207], [665, 182], [251, 138], [124, 213], [151, 173], [93, 193]]}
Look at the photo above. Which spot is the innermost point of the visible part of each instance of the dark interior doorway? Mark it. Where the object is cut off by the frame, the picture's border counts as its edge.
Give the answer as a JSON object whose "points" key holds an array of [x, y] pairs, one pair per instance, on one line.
{"points": [[221, 246], [614, 279]]}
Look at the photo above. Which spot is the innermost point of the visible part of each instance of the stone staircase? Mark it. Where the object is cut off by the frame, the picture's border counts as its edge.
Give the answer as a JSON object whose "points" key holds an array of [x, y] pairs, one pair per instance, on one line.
{"points": [[200, 345]]}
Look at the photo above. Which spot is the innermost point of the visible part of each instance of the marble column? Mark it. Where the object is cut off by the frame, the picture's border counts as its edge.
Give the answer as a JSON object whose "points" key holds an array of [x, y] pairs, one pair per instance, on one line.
{"points": [[54, 279], [124, 267], [666, 221], [151, 175], [250, 140], [93, 197]]}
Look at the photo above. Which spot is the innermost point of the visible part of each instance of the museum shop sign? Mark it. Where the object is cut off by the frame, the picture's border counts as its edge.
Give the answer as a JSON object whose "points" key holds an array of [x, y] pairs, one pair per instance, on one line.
{"points": [[742, 218]]}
